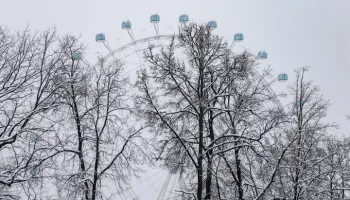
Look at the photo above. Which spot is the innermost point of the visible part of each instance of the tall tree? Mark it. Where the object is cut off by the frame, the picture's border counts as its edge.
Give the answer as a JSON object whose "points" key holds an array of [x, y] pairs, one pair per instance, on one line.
{"points": [[302, 176], [205, 108], [98, 131], [183, 87], [29, 65]]}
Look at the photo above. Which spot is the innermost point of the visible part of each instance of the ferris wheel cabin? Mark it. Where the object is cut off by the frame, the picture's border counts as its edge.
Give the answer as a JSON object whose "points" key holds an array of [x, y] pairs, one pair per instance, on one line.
{"points": [[154, 18], [77, 56], [282, 77], [183, 19], [212, 24], [238, 37], [126, 24], [262, 55], [100, 37]]}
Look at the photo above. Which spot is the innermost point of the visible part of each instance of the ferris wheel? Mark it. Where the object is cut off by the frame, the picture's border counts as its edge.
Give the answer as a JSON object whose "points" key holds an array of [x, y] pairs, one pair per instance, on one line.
{"points": [[173, 182]]}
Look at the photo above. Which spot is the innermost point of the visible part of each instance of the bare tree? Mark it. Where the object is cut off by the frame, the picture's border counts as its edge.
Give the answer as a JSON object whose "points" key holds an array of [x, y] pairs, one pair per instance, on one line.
{"points": [[99, 138], [118, 143], [303, 167], [184, 91], [206, 110], [247, 129], [335, 168], [70, 126], [46, 93], [29, 66]]}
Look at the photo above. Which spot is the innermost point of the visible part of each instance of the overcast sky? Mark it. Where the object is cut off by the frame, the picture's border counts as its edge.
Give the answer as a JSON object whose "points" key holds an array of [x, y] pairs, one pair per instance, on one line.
{"points": [[295, 33]]}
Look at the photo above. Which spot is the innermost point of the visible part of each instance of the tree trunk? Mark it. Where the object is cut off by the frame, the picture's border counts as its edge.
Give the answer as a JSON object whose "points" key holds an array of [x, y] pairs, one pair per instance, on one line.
{"points": [[343, 186], [80, 144], [201, 134], [200, 156], [239, 173], [217, 183], [209, 158], [296, 181], [97, 159]]}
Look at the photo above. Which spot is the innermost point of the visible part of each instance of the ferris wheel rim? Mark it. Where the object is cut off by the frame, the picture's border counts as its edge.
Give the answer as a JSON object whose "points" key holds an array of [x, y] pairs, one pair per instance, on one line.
{"points": [[139, 41], [143, 40]]}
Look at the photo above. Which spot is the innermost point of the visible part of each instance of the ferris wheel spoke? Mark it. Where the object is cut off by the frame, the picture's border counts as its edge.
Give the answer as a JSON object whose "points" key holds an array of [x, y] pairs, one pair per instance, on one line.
{"points": [[126, 25], [85, 62], [172, 192], [152, 184], [142, 63], [233, 44], [120, 194], [106, 44], [165, 187]]}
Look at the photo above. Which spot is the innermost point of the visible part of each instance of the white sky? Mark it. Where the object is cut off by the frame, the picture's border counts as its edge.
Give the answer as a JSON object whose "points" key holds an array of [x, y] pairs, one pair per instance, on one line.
{"points": [[295, 33]]}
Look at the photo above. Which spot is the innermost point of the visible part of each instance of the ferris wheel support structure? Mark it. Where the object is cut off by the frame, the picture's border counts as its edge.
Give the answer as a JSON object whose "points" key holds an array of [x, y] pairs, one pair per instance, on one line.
{"points": [[105, 43]]}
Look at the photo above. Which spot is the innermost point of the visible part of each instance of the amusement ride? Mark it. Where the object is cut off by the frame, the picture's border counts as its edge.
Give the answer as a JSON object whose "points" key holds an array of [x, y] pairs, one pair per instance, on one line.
{"points": [[173, 182]]}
